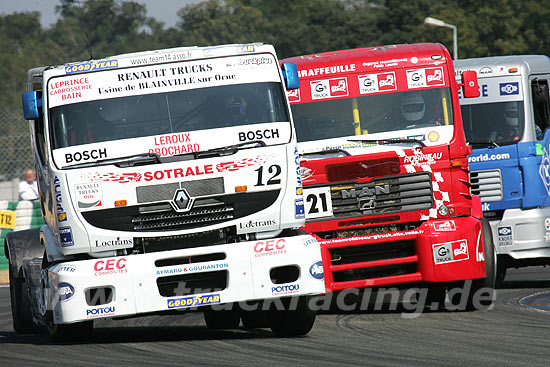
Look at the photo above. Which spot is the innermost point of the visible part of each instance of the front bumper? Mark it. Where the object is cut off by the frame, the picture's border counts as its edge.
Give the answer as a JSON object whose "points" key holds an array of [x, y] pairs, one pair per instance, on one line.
{"points": [[523, 234], [437, 251], [151, 282]]}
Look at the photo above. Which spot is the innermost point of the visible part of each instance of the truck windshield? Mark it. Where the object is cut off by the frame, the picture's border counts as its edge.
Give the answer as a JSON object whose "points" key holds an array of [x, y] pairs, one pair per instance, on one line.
{"points": [[499, 123], [168, 112], [370, 114]]}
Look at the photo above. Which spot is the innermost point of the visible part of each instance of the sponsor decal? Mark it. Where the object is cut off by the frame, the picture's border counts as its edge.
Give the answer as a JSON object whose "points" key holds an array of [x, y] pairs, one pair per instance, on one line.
{"points": [[299, 191], [66, 237], [242, 163], [93, 313], [419, 78], [194, 301], [505, 236], [326, 70], [488, 157], [373, 83], [110, 266], [281, 290], [299, 209], [61, 215], [259, 134], [246, 48], [450, 251], [170, 271], [306, 174], [126, 242], [69, 88], [67, 268], [89, 195], [270, 247], [444, 225], [257, 224], [328, 88], [508, 89], [91, 66], [547, 224], [193, 268], [65, 291], [174, 144], [547, 237], [433, 136], [485, 207], [544, 170], [485, 70], [316, 270], [309, 241], [85, 155], [420, 159], [293, 95]]}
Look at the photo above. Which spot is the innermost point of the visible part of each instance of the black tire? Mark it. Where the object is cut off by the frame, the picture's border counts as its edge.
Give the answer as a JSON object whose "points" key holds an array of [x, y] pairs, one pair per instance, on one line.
{"points": [[256, 319], [222, 319], [487, 283], [77, 332], [501, 273], [21, 311], [435, 299], [292, 322]]}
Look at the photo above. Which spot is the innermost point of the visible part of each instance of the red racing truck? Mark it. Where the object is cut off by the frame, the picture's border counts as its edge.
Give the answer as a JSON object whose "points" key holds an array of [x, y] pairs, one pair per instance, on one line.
{"points": [[385, 171]]}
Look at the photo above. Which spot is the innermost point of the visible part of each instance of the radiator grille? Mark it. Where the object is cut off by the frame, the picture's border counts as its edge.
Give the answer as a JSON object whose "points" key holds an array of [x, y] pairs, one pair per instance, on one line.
{"points": [[487, 185], [382, 195]]}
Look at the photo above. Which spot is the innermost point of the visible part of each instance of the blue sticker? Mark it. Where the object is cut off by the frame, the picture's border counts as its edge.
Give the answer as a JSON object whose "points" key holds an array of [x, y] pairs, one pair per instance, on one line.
{"points": [[316, 270], [300, 210], [66, 237], [66, 291], [508, 89]]}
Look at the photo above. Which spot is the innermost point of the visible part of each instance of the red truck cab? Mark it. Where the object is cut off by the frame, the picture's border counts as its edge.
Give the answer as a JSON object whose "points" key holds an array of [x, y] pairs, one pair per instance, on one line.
{"points": [[384, 167]]}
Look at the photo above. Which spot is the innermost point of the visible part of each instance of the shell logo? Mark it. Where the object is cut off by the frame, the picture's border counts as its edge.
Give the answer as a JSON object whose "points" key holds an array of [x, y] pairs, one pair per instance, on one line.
{"points": [[433, 136]]}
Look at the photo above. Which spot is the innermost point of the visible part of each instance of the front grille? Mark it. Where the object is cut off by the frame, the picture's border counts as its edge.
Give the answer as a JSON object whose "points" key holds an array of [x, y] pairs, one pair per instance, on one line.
{"points": [[194, 283], [165, 192], [372, 253], [487, 185], [382, 195], [162, 217]]}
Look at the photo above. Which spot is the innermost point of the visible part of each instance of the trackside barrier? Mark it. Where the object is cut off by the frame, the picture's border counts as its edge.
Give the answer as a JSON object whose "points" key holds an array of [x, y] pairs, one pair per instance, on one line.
{"points": [[27, 215]]}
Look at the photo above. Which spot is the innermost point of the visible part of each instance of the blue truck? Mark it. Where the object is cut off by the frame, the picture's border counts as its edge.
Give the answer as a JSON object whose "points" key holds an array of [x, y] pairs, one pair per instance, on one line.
{"points": [[510, 164]]}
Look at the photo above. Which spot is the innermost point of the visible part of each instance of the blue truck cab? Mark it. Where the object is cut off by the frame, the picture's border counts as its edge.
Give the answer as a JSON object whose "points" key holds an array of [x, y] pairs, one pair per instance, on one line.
{"points": [[507, 126]]}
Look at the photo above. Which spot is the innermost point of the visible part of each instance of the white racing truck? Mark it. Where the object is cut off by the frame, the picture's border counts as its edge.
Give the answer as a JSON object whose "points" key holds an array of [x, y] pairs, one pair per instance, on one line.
{"points": [[169, 181]]}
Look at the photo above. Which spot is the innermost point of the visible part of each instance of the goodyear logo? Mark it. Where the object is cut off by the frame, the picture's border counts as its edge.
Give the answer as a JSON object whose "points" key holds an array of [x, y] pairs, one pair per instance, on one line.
{"points": [[91, 66], [245, 48], [194, 301]]}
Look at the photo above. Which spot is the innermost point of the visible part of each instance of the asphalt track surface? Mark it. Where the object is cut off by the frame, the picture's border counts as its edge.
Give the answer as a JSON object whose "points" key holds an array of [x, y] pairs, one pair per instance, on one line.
{"points": [[515, 333]]}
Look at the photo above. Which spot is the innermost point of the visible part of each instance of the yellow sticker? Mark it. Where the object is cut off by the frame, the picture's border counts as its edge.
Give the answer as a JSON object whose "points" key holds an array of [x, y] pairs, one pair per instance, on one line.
{"points": [[7, 219]]}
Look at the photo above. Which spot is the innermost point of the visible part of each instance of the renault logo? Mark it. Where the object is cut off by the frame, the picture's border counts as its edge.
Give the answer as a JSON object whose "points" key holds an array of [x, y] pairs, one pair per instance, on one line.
{"points": [[182, 200]]}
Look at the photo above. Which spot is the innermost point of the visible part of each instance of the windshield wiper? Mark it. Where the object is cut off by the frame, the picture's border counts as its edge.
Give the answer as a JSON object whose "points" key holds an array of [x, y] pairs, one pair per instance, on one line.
{"points": [[391, 141], [329, 151], [129, 161], [487, 142], [216, 152]]}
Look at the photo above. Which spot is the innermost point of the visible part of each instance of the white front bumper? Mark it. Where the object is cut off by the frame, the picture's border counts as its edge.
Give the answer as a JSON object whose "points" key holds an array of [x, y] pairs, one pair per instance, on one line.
{"points": [[134, 278], [523, 234]]}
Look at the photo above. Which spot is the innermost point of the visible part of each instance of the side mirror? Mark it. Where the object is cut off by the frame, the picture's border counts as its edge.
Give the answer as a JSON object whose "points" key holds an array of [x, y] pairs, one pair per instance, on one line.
{"points": [[32, 105], [469, 84], [290, 75]]}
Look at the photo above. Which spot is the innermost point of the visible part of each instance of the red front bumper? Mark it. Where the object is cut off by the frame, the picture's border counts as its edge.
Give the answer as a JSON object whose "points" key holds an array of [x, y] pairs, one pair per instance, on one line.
{"points": [[437, 251]]}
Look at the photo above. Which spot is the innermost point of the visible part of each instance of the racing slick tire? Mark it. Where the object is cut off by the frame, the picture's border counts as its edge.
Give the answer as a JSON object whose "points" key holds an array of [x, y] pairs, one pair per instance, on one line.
{"points": [[20, 304], [295, 319], [222, 319]]}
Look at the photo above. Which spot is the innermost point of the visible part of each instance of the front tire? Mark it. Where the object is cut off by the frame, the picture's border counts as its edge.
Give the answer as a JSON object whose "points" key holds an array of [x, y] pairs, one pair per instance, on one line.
{"points": [[79, 331], [292, 322], [222, 319], [21, 311]]}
